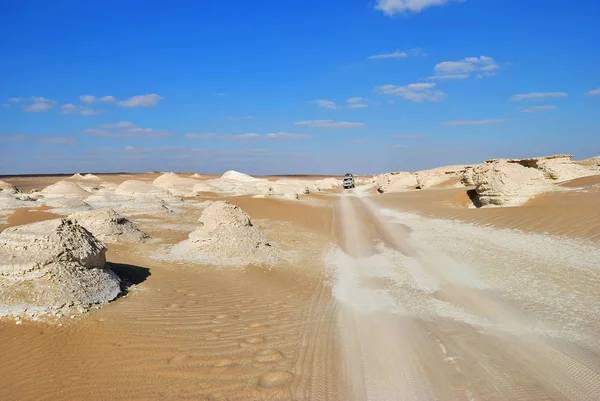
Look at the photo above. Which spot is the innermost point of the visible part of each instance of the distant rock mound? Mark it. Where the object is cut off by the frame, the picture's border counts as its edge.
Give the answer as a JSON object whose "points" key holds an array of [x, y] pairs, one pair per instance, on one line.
{"points": [[237, 176], [395, 182], [136, 188], [65, 188], [180, 186], [7, 188], [109, 226], [512, 182], [52, 265], [226, 236]]}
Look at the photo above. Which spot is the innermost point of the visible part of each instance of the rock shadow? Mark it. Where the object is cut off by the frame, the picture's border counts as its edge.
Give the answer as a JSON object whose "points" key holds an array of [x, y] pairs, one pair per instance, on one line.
{"points": [[130, 275], [474, 198]]}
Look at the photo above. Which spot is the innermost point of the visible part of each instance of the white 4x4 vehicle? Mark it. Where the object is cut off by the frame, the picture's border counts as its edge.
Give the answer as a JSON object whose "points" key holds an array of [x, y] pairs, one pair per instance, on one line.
{"points": [[348, 181]]}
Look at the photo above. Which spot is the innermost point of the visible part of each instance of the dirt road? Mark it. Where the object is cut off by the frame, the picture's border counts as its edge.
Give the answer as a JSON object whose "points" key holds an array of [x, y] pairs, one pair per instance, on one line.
{"points": [[432, 309]]}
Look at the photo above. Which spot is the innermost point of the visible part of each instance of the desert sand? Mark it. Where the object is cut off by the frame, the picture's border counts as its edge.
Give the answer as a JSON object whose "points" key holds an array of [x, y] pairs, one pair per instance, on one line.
{"points": [[470, 282]]}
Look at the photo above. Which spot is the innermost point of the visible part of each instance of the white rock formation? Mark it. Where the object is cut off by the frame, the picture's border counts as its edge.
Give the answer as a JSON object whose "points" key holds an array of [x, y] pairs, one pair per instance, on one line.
{"points": [[511, 182], [65, 188], [7, 188], [180, 186], [109, 226], [51, 265], [395, 182], [85, 177], [226, 237], [504, 182], [237, 176], [139, 188]]}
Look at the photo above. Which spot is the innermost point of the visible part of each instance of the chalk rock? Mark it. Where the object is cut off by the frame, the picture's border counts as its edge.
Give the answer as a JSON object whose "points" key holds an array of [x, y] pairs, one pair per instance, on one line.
{"points": [[109, 226], [65, 188], [139, 188], [180, 186], [226, 236], [52, 264], [504, 182], [7, 188]]}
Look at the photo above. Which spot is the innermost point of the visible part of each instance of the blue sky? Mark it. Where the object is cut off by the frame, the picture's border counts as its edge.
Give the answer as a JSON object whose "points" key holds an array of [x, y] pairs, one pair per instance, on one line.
{"points": [[280, 87]]}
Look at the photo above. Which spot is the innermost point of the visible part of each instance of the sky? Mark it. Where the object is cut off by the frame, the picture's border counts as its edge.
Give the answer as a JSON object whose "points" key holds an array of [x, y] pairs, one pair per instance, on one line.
{"points": [[300, 87]]}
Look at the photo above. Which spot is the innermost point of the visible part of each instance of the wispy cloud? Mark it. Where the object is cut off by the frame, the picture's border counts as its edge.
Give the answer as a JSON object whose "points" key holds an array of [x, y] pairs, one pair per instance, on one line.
{"points": [[356, 102], [391, 7], [141, 101], [397, 54], [479, 66], [41, 139], [201, 136], [33, 104], [538, 108], [120, 124], [221, 94], [125, 129], [329, 124], [249, 136], [70, 108], [473, 122], [92, 99], [358, 140], [418, 92], [399, 146], [595, 92], [326, 104], [537, 96]]}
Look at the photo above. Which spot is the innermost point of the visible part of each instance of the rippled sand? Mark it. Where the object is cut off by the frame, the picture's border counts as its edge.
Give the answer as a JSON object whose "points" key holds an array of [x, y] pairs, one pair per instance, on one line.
{"points": [[387, 300]]}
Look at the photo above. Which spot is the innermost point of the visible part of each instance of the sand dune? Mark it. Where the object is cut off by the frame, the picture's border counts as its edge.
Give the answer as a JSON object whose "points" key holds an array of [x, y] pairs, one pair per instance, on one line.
{"points": [[401, 293]]}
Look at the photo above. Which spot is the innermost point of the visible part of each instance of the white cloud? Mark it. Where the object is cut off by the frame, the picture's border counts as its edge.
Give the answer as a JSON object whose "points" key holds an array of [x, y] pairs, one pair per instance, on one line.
{"points": [[356, 102], [125, 129], [286, 135], [472, 122], [595, 92], [418, 92], [537, 95], [70, 108], [92, 99], [329, 124], [538, 108], [201, 136], [481, 66], [326, 104], [120, 124], [396, 54], [245, 137], [249, 136], [391, 7], [141, 101], [34, 104]]}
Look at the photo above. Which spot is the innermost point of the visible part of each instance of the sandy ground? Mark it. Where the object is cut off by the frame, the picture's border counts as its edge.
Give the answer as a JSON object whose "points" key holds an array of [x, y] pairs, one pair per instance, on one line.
{"points": [[411, 296]]}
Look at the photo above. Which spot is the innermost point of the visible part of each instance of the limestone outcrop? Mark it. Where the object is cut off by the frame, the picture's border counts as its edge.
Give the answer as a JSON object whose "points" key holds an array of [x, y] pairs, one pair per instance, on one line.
{"points": [[226, 236], [52, 265]]}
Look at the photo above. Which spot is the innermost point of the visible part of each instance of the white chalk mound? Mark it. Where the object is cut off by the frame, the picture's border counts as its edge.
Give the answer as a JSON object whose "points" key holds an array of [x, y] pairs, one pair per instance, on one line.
{"points": [[237, 176], [136, 188], [226, 237], [109, 226], [65, 188], [507, 183], [85, 177], [180, 186], [51, 265], [7, 188], [512, 182]]}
